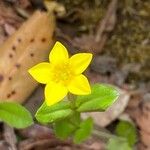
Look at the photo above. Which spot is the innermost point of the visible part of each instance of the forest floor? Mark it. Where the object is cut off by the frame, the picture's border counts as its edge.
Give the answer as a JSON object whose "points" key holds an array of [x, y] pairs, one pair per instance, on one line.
{"points": [[117, 33]]}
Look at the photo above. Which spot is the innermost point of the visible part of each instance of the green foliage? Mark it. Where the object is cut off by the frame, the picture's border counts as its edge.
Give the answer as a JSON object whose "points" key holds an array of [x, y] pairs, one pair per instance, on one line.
{"points": [[15, 115], [80, 131], [100, 99], [118, 144], [50, 114], [84, 131], [65, 115], [64, 128], [127, 130], [76, 118]]}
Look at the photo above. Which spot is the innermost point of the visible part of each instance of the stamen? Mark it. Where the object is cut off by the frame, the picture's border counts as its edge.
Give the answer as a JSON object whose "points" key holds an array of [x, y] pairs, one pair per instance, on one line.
{"points": [[62, 74]]}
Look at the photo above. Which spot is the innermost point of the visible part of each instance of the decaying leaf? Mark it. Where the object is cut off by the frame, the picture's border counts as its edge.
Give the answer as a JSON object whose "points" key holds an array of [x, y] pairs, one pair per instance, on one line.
{"points": [[143, 121], [25, 48]]}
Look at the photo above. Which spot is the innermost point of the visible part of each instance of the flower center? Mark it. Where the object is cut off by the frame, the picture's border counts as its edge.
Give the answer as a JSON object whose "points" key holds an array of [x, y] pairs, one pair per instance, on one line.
{"points": [[62, 73]]}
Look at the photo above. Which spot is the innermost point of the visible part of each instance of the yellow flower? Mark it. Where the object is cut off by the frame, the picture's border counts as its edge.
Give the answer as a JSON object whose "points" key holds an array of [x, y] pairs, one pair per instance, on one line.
{"points": [[62, 74]]}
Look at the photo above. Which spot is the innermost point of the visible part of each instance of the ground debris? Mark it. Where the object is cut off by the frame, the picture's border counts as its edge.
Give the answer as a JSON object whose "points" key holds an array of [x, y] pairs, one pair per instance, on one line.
{"points": [[95, 40], [143, 120], [36, 132], [117, 33], [10, 137]]}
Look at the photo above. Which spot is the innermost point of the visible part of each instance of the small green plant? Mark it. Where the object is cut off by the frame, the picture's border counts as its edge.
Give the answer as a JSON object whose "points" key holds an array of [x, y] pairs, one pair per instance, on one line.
{"points": [[68, 94], [126, 137]]}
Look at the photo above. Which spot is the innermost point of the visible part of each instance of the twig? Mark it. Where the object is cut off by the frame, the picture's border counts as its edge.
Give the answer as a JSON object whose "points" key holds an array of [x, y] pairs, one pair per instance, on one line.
{"points": [[10, 137], [41, 143], [107, 24]]}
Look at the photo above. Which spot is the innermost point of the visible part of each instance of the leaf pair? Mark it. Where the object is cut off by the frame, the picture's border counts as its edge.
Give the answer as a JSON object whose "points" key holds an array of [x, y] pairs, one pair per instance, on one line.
{"points": [[65, 115], [128, 131], [126, 139], [65, 128], [100, 99]]}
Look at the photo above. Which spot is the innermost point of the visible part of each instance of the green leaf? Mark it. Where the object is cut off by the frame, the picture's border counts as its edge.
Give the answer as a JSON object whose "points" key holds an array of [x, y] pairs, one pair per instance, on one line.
{"points": [[118, 144], [49, 114], [15, 115], [100, 99], [76, 118], [64, 128], [84, 131], [127, 130]]}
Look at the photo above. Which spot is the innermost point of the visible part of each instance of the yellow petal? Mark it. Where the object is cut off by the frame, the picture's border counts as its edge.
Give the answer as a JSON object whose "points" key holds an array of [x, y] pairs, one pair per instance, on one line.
{"points": [[41, 72], [80, 62], [79, 86], [58, 54], [54, 93]]}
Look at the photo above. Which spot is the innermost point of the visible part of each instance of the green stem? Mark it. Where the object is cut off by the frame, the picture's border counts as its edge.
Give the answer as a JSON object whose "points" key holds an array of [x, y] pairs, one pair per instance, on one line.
{"points": [[101, 134], [104, 135], [72, 98], [76, 118]]}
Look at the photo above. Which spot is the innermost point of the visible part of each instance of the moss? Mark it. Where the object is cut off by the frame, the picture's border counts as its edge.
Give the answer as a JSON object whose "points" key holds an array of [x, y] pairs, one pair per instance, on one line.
{"points": [[86, 13], [129, 41]]}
